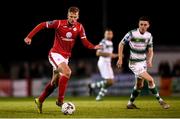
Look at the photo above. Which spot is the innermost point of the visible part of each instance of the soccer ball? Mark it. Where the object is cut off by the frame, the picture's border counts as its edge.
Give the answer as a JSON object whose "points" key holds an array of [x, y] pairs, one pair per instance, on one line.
{"points": [[68, 108]]}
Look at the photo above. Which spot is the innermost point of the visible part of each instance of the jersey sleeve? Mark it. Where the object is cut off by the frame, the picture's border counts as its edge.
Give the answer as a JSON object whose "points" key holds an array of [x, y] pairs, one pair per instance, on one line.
{"points": [[84, 40], [103, 44], [150, 43], [53, 24], [82, 33], [49, 24], [126, 38], [37, 29], [87, 44]]}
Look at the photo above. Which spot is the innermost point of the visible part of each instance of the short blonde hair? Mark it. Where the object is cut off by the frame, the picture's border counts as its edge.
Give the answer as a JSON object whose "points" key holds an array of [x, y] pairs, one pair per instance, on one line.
{"points": [[73, 9]]}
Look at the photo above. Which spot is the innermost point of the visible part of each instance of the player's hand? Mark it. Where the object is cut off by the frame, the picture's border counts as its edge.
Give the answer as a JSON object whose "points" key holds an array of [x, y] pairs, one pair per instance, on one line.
{"points": [[119, 63], [114, 55], [27, 40], [98, 47], [149, 64]]}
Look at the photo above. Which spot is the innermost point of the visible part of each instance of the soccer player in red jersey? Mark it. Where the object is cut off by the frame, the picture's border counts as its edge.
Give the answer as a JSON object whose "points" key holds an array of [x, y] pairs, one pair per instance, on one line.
{"points": [[66, 32]]}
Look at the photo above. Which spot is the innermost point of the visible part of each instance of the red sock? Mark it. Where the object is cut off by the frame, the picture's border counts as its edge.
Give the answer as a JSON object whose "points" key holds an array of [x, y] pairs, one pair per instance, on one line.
{"points": [[63, 81], [47, 91]]}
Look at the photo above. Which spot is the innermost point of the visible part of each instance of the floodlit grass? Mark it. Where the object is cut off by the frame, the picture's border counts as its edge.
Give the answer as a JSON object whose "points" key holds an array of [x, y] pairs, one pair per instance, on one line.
{"points": [[87, 107]]}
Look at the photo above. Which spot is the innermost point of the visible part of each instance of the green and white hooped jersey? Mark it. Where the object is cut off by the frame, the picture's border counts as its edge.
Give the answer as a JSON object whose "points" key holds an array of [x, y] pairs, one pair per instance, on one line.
{"points": [[138, 44], [107, 48]]}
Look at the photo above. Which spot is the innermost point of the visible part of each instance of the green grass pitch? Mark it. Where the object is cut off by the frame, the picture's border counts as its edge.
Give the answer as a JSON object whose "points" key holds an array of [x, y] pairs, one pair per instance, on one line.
{"points": [[87, 107]]}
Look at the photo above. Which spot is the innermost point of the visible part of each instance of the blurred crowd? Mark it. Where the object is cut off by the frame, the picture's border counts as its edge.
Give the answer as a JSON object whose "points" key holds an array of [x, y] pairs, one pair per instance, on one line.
{"points": [[165, 70], [80, 68], [39, 69]]}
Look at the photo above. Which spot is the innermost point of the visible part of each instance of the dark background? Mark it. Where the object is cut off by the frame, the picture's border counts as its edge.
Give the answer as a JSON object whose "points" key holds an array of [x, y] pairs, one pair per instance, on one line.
{"points": [[18, 18]]}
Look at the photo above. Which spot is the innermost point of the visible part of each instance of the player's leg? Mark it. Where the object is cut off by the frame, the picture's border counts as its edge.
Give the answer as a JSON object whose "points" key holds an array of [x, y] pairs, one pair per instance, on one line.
{"points": [[49, 88], [136, 90], [65, 71], [137, 68], [102, 66], [62, 72], [104, 89], [153, 89], [107, 74], [99, 84]]}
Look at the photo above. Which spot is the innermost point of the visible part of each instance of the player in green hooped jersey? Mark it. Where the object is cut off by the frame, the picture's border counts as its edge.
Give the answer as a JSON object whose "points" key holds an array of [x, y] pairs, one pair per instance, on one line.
{"points": [[141, 55]]}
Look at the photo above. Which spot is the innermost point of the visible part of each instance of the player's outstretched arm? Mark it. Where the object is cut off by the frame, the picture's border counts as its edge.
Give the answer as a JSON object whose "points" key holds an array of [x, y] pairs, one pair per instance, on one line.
{"points": [[105, 54], [120, 55], [89, 45], [39, 27], [97, 47], [114, 55], [85, 41]]}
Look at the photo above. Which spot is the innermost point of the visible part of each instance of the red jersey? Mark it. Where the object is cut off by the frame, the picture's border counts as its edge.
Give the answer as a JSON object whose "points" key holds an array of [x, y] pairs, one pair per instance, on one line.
{"points": [[65, 35]]}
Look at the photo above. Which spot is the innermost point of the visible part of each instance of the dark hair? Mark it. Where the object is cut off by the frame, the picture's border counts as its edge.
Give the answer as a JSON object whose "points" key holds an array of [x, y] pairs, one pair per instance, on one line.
{"points": [[73, 9], [108, 29], [144, 18]]}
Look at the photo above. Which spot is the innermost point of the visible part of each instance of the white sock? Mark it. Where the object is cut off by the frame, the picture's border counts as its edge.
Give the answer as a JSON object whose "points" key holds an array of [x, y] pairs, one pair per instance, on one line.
{"points": [[129, 102], [93, 85], [160, 99]]}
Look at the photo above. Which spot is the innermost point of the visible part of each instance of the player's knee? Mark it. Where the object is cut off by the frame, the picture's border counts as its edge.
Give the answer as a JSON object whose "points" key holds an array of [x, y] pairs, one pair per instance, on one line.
{"points": [[67, 72], [56, 73], [151, 84], [140, 86], [140, 83], [151, 81]]}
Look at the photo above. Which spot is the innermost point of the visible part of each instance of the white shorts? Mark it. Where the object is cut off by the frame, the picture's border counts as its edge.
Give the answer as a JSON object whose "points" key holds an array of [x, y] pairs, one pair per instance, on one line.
{"points": [[138, 67], [105, 69], [55, 59]]}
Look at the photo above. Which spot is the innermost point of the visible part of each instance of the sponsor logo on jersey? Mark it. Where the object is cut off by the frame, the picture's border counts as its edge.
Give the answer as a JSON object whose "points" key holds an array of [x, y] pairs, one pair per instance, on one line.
{"points": [[68, 35], [75, 29], [67, 39], [139, 45]]}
